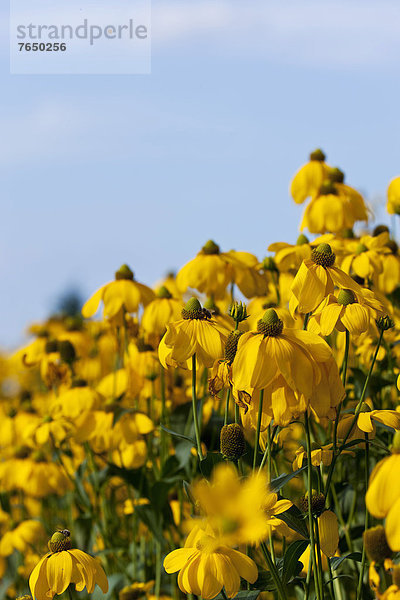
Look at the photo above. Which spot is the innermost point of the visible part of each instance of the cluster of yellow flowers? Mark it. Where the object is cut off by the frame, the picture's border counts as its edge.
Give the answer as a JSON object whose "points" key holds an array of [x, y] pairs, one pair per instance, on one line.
{"points": [[235, 424]]}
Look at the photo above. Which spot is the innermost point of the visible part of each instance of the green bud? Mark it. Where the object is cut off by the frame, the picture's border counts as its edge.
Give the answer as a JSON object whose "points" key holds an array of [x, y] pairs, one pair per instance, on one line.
{"points": [[336, 175], [268, 264], [384, 323], [238, 311], [327, 187], [346, 297]]}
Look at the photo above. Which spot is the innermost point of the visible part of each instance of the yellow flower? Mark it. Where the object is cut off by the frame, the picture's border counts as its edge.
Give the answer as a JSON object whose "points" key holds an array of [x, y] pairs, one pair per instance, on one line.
{"points": [[206, 566], [209, 272], [309, 178], [240, 511], [316, 279], [393, 197], [389, 278], [294, 368], [196, 333], [319, 456], [122, 294], [335, 207], [162, 310], [62, 566], [21, 538], [289, 256], [365, 257], [383, 496], [347, 310]]}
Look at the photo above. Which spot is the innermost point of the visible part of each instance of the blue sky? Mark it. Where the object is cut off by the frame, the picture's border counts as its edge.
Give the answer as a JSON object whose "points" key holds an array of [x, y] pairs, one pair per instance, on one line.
{"points": [[100, 170]]}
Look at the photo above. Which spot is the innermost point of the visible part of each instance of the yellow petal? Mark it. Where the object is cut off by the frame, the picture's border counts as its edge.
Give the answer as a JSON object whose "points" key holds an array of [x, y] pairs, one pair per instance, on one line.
{"points": [[329, 532], [90, 307], [38, 579], [245, 566], [59, 570], [392, 526], [175, 560]]}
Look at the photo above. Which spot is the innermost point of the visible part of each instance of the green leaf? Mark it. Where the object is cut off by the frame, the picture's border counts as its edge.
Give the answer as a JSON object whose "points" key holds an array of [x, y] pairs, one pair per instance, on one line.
{"points": [[244, 595], [295, 519], [337, 560], [208, 463], [291, 564], [152, 520], [178, 435], [279, 482]]}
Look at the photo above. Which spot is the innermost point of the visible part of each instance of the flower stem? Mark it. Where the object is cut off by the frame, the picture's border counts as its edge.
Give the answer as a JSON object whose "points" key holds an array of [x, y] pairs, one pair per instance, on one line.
{"points": [[194, 407], [356, 413], [163, 438], [228, 393], [275, 575], [363, 560], [257, 440], [310, 516]]}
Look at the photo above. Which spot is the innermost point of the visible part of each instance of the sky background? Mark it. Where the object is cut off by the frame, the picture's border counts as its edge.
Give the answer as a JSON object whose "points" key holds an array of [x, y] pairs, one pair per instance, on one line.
{"points": [[99, 170]]}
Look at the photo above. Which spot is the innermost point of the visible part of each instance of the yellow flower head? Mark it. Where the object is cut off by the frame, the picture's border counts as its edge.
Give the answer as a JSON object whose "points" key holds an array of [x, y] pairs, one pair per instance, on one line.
{"points": [[206, 565], [293, 367], [346, 310], [162, 310], [309, 178], [122, 294], [196, 333], [316, 279], [62, 566]]}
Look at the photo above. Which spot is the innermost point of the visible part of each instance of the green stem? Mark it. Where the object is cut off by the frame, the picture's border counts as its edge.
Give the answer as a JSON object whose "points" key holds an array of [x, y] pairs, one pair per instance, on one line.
{"points": [[344, 374], [310, 516], [257, 440], [157, 585], [163, 440], [356, 413], [363, 560], [319, 558], [228, 393], [194, 407], [275, 576]]}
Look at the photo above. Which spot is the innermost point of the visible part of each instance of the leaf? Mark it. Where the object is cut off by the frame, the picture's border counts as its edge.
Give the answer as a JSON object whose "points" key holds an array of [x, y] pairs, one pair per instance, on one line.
{"points": [[291, 564], [295, 519], [208, 463], [279, 482], [337, 560], [178, 435], [244, 595], [151, 520]]}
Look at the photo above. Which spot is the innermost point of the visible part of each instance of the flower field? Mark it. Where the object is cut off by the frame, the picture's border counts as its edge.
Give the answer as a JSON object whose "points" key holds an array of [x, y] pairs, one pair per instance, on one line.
{"points": [[232, 432]]}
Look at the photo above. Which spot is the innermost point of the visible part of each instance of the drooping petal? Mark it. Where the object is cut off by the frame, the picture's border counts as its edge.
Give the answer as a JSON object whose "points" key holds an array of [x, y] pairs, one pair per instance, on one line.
{"points": [[90, 307], [38, 580], [58, 571], [245, 566], [175, 560], [329, 532]]}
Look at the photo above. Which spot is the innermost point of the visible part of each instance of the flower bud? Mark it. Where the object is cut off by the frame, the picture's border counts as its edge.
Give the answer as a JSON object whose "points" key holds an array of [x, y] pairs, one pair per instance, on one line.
{"points": [[384, 323], [376, 545], [232, 440], [238, 312]]}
